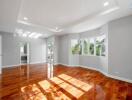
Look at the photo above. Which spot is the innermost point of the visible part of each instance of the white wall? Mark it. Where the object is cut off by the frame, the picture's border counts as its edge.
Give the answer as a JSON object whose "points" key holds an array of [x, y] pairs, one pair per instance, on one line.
{"points": [[65, 56], [100, 63], [38, 51], [56, 47], [120, 47], [64, 49], [11, 49], [118, 60], [73, 59]]}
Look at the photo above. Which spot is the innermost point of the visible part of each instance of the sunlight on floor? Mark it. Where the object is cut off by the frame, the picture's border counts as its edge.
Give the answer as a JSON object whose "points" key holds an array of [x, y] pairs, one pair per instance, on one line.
{"points": [[32, 92], [45, 85], [72, 90], [54, 91], [56, 80], [61, 87], [82, 85]]}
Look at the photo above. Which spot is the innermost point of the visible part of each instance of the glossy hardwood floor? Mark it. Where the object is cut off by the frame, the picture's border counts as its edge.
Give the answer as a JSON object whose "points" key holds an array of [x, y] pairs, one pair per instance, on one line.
{"points": [[41, 82]]}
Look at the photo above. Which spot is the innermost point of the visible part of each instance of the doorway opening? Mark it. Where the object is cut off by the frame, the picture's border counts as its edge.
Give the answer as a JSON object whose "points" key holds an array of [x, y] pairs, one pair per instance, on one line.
{"points": [[24, 53], [50, 58]]}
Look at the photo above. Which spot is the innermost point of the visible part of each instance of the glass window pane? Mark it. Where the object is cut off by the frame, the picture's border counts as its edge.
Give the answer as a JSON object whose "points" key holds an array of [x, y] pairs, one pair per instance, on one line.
{"points": [[50, 47], [85, 46], [76, 46], [98, 49], [91, 46], [100, 46]]}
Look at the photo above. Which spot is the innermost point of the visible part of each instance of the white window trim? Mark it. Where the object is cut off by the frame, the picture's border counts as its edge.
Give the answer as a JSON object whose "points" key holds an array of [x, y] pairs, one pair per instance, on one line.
{"points": [[82, 54]]}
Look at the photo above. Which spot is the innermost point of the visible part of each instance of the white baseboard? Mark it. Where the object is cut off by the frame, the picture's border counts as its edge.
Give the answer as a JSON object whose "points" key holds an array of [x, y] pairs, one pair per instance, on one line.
{"points": [[37, 62], [8, 66], [120, 78], [106, 74], [67, 65]]}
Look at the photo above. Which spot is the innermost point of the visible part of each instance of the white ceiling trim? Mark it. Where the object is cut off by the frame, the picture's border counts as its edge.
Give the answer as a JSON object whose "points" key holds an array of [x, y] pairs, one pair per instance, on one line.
{"points": [[60, 16]]}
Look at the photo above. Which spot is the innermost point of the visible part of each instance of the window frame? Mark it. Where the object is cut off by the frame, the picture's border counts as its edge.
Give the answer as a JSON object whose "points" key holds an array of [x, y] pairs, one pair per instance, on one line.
{"points": [[88, 39], [101, 45], [78, 40]]}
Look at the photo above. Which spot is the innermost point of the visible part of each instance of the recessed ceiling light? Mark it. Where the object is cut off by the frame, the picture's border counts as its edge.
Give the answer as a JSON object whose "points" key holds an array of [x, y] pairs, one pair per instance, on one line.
{"points": [[25, 18], [106, 3], [56, 28]]}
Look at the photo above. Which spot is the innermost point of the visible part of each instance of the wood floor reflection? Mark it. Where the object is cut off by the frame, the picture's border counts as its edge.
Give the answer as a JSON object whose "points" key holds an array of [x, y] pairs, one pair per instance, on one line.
{"points": [[68, 83]]}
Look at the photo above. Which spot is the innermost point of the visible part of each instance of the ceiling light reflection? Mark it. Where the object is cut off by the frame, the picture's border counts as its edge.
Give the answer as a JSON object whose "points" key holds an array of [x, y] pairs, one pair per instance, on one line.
{"points": [[19, 31], [22, 33], [25, 18], [109, 10], [32, 34]]}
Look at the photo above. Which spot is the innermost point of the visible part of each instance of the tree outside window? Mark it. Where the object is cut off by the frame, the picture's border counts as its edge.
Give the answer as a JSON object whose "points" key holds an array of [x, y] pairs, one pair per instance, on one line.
{"points": [[100, 46], [91, 46], [76, 46], [85, 46]]}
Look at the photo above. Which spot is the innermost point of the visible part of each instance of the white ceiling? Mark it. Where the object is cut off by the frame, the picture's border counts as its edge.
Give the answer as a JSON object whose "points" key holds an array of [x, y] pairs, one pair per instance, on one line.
{"points": [[60, 16]]}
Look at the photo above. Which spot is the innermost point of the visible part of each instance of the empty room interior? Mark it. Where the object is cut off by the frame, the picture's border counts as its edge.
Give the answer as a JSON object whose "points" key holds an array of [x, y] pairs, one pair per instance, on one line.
{"points": [[65, 49]]}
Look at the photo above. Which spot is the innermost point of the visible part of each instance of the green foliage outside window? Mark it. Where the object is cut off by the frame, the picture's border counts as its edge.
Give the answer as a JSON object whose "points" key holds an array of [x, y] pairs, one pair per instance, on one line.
{"points": [[98, 50], [91, 49], [92, 46], [100, 47], [76, 48], [86, 47]]}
